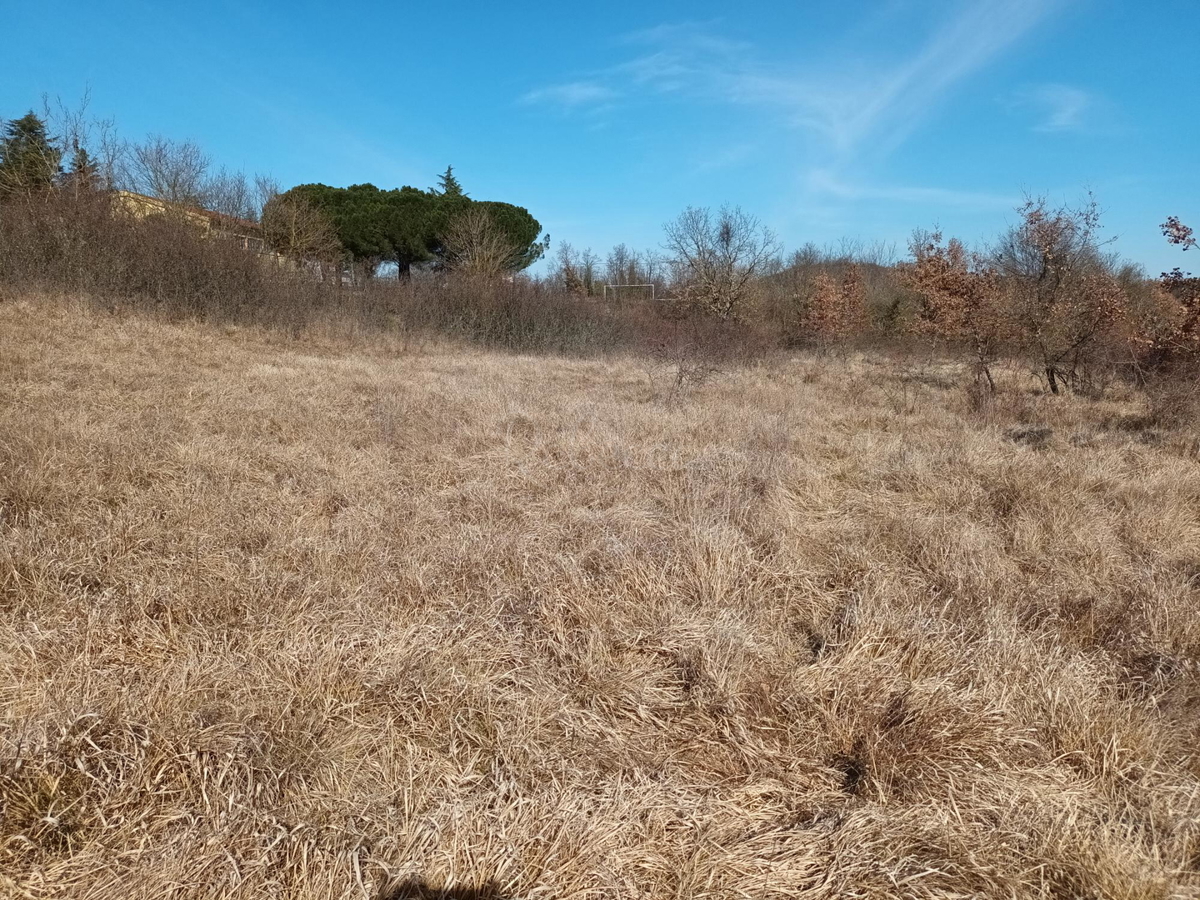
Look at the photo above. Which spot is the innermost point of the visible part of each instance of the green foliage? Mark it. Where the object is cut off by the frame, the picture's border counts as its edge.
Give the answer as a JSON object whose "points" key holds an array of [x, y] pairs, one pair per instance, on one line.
{"points": [[405, 226], [29, 159], [521, 229]]}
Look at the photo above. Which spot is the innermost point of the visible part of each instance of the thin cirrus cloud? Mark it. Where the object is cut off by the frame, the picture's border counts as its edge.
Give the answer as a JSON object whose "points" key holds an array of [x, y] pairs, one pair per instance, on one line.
{"points": [[1060, 107], [572, 94], [849, 107], [825, 182]]}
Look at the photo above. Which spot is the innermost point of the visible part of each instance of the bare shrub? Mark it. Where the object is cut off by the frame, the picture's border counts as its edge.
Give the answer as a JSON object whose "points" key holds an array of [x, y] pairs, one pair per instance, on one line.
{"points": [[76, 243], [520, 315], [687, 363]]}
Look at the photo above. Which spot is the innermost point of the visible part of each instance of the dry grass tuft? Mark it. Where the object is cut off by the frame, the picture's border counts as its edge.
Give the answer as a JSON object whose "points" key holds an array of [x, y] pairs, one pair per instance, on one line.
{"points": [[289, 620]]}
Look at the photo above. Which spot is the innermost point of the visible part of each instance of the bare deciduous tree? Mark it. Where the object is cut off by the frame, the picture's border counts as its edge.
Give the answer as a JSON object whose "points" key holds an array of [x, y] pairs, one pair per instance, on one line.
{"points": [[473, 245], [266, 189], [621, 267], [297, 230], [654, 267], [625, 266], [230, 194], [174, 171], [589, 263], [90, 146], [717, 259], [568, 269]]}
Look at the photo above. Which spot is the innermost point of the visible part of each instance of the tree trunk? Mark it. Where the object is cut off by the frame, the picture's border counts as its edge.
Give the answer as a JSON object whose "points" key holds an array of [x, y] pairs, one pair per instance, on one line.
{"points": [[1052, 378]]}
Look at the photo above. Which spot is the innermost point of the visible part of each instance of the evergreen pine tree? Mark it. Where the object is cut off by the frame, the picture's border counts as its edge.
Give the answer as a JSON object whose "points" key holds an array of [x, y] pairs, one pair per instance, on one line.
{"points": [[29, 160], [84, 174], [448, 185]]}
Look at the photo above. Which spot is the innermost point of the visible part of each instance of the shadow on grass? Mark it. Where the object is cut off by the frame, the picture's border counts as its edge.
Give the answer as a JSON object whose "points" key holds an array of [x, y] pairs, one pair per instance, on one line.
{"points": [[411, 888]]}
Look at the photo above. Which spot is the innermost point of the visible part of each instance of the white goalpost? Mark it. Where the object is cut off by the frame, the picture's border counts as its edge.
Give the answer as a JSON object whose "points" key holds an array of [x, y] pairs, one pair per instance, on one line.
{"points": [[617, 288]]}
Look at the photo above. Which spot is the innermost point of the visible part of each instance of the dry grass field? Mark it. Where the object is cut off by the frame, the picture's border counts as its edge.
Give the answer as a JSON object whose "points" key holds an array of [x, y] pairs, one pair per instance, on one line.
{"points": [[284, 618]]}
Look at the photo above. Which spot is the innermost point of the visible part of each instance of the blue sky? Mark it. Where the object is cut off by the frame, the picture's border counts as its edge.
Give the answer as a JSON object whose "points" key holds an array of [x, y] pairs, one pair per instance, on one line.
{"points": [[859, 118]]}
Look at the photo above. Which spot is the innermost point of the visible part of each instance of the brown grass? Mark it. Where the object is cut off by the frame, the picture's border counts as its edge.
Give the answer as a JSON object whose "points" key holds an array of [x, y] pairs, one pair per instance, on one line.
{"points": [[283, 619]]}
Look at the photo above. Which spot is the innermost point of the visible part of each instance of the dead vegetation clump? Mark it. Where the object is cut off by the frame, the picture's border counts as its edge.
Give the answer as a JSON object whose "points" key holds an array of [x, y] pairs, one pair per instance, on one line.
{"points": [[285, 619]]}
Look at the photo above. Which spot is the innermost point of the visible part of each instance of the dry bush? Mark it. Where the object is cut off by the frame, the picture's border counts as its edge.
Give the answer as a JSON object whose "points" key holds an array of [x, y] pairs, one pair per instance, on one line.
{"points": [[961, 301], [73, 243], [77, 244], [787, 298], [686, 362], [692, 348], [1173, 403], [282, 621], [1063, 297], [518, 315], [837, 311], [1167, 339]]}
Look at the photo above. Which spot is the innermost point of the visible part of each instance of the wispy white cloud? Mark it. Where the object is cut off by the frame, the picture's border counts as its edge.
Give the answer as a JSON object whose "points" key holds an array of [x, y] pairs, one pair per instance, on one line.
{"points": [[852, 110], [825, 182], [1060, 107], [693, 37], [856, 105], [901, 97], [572, 94], [725, 157]]}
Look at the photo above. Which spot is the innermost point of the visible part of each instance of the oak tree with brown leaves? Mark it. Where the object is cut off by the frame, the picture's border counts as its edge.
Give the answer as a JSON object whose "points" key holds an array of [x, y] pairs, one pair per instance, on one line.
{"points": [[1065, 302], [960, 300], [1179, 342], [837, 310], [1178, 233]]}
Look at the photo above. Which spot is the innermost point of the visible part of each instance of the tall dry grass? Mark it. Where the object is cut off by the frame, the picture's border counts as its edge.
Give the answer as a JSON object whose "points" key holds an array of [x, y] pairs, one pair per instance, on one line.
{"points": [[285, 619]]}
